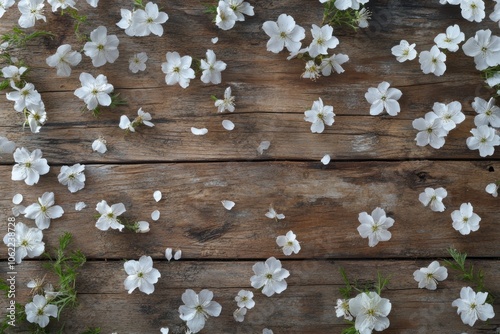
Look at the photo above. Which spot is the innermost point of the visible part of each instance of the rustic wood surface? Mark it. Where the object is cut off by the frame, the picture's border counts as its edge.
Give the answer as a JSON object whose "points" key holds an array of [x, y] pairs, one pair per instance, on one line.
{"points": [[375, 162]]}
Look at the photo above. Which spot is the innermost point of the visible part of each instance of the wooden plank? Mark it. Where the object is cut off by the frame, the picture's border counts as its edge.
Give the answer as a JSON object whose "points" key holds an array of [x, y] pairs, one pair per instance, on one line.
{"points": [[307, 306], [321, 205]]}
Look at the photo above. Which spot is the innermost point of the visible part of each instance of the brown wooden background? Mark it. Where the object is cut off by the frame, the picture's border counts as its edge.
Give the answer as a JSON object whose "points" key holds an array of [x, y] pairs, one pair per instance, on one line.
{"points": [[375, 162]]}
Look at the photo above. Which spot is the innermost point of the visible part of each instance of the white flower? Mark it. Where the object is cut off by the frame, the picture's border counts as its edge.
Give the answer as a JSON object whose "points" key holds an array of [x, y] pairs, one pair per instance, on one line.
{"points": [[362, 17], [342, 309], [450, 114], [212, 68], [141, 274], [319, 115], [13, 73], [267, 331], [226, 17], [484, 139], [370, 311], [126, 21], [239, 314], [239, 8], [465, 220], [311, 71], [6, 146], [473, 306], [283, 33], [73, 177], [375, 227], [38, 311], [43, 211], [344, 4], [494, 80], [431, 131], [404, 51], [450, 39], [434, 197], [492, 189], [323, 40], [99, 145], [227, 103], [428, 277], [27, 241], [333, 63], [271, 214], [141, 227], [177, 69], [31, 10], [29, 166], [485, 48], [109, 216], [473, 10], [487, 112], [63, 4], [26, 97], [36, 117], [433, 61], [94, 91], [101, 48], [63, 58], [228, 205], [149, 20], [138, 62], [80, 206], [495, 15], [4, 5], [143, 118], [383, 98], [270, 276], [288, 243], [197, 308], [245, 299]]}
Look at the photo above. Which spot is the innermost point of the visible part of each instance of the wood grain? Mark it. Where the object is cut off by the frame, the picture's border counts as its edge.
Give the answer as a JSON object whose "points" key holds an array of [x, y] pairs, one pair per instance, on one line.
{"points": [[321, 205], [375, 163], [307, 306]]}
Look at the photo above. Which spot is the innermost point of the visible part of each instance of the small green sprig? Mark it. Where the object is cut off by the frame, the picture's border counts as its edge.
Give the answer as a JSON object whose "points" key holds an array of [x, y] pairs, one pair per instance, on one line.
{"points": [[467, 273], [93, 330], [211, 9], [341, 18], [18, 37], [65, 265], [116, 101], [138, 4], [80, 20]]}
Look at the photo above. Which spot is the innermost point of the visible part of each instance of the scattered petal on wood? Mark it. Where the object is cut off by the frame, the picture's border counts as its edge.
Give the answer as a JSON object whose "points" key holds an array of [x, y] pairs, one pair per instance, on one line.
{"points": [[326, 159], [199, 132], [263, 146], [80, 206], [228, 204], [228, 125], [157, 195], [155, 215], [215, 40], [177, 255], [17, 199]]}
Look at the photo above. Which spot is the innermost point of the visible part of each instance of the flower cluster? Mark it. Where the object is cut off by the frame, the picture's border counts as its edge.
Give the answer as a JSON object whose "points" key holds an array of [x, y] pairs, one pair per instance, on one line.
{"points": [[143, 21], [285, 33], [230, 11]]}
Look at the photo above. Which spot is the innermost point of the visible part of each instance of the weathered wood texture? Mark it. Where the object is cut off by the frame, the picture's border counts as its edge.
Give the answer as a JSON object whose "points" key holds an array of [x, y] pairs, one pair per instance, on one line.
{"points": [[321, 205], [313, 289], [270, 96], [375, 162]]}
